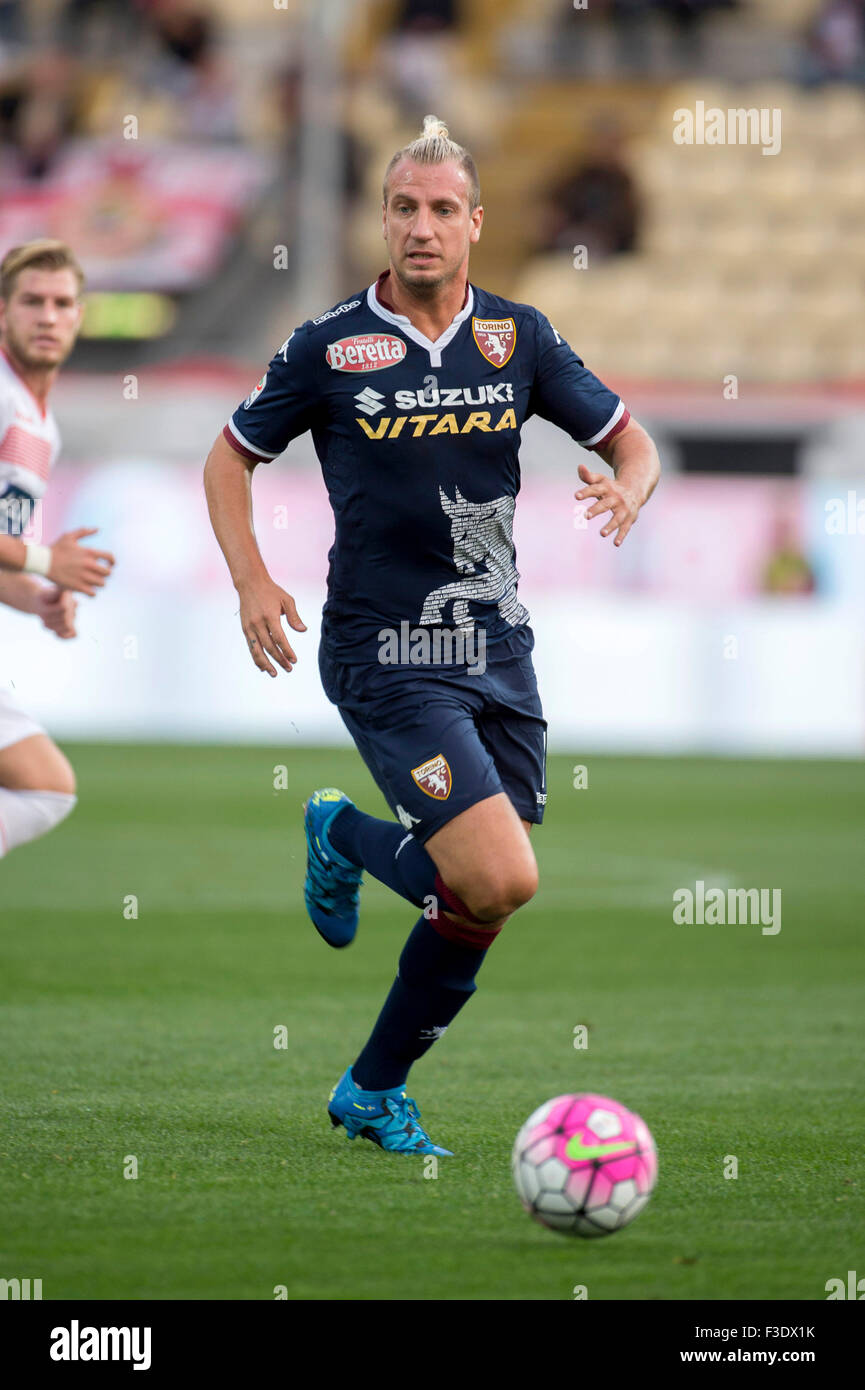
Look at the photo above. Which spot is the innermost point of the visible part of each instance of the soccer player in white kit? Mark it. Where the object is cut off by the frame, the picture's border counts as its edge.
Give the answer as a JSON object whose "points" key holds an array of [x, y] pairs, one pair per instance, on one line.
{"points": [[40, 315]]}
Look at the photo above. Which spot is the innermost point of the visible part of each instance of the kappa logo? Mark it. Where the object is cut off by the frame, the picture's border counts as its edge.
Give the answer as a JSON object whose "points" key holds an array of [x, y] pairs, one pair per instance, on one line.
{"points": [[255, 393], [434, 777], [406, 819], [496, 339], [365, 352], [335, 313]]}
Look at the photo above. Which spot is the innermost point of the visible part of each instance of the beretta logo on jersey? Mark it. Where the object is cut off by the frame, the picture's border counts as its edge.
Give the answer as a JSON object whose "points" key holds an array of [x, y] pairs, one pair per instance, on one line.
{"points": [[434, 777], [496, 339], [365, 352]]}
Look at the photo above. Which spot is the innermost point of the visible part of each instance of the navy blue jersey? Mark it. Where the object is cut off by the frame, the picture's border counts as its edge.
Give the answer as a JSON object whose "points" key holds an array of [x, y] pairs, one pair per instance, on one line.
{"points": [[419, 447]]}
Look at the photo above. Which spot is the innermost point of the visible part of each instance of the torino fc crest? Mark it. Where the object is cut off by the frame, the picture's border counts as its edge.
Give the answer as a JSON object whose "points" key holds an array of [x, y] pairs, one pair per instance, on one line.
{"points": [[434, 777], [496, 339]]}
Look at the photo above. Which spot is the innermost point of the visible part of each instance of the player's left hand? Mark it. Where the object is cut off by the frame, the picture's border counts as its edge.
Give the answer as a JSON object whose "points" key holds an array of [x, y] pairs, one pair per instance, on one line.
{"points": [[612, 497], [56, 607]]}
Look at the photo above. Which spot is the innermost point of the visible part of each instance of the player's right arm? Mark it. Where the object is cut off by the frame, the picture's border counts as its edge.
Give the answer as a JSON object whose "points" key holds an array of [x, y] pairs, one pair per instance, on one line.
{"points": [[281, 407], [68, 563], [228, 486], [56, 607]]}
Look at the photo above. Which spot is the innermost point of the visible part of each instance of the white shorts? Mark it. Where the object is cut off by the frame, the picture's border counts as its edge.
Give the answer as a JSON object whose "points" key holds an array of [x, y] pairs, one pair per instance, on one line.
{"points": [[15, 723]]}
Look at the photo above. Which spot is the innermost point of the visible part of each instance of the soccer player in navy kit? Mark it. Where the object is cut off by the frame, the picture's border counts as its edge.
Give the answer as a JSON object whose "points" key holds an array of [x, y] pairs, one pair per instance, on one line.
{"points": [[415, 391]]}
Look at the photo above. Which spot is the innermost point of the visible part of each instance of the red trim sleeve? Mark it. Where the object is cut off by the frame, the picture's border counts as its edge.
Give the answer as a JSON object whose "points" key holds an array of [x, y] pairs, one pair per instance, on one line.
{"points": [[617, 429], [239, 449]]}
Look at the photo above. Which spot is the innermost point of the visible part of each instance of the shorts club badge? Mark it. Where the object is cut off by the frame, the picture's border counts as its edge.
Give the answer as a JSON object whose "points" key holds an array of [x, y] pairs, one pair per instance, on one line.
{"points": [[434, 777], [496, 339]]}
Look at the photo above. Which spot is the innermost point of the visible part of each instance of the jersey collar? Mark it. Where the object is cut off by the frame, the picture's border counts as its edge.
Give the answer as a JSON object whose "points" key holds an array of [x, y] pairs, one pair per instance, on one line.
{"points": [[380, 306]]}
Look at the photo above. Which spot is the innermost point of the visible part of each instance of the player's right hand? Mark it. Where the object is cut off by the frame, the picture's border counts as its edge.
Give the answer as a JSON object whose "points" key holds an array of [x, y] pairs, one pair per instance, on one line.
{"points": [[56, 608], [73, 566], [262, 606]]}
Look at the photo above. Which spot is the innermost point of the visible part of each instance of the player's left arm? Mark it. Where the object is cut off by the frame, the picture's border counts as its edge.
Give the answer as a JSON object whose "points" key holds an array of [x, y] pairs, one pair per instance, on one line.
{"points": [[566, 392], [636, 469], [56, 607]]}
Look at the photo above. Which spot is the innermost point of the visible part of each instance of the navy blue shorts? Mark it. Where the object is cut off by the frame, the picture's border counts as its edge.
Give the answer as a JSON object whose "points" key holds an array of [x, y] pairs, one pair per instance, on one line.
{"points": [[438, 740]]}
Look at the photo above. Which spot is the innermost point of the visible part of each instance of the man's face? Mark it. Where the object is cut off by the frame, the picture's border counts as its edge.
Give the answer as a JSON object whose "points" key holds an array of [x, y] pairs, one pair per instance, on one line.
{"points": [[428, 225], [39, 321]]}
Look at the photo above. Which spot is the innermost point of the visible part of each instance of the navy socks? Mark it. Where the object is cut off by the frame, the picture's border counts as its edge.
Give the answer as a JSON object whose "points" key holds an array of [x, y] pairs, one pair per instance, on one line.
{"points": [[387, 851], [436, 978]]}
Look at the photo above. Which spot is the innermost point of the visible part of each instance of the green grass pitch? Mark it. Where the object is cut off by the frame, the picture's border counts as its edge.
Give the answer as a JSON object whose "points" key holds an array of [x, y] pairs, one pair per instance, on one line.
{"points": [[153, 1038]]}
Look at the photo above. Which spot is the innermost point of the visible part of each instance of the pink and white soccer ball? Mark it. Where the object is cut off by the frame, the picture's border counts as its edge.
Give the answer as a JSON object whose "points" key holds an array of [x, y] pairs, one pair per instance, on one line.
{"points": [[584, 1165]]}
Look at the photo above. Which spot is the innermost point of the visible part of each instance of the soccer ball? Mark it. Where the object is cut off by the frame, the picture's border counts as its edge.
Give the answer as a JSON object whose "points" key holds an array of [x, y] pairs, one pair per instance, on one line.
{"points": [[584, 1165]]}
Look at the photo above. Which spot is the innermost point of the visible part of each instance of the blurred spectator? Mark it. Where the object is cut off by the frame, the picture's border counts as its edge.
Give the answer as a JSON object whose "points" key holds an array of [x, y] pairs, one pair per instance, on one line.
{"points": [[301, 115], [352, 157], [427, 15], [686, 18], [419, 55], [634, 26], [99, 28], [189, 68], [835, 44], [185, 32], [37, 110], [596, 205], [13, 29], [685, 13]]}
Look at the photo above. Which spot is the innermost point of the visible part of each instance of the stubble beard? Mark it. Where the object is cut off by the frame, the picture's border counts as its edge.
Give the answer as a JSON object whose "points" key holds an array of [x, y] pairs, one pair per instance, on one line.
{"points": [[426, 289], [18, 350]]}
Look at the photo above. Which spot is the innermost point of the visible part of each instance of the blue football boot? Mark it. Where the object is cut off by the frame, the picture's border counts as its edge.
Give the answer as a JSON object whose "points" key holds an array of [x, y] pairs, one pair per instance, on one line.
{"points": [[389, 1118], [332, 887]]}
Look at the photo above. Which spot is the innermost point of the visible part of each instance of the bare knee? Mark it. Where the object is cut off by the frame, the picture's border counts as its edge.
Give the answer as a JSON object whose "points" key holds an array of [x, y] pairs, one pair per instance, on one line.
{"points": [[63, 781], [36, 764], [486, 863], [59, 777], [497, 898]]}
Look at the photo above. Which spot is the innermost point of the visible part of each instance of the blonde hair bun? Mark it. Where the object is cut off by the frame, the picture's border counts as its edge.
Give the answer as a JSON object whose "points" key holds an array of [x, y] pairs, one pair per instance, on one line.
{"points": [[434, 146], [434, 129]]}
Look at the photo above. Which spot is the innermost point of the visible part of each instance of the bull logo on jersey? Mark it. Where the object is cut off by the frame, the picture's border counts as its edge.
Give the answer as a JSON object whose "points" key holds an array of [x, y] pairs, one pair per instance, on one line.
{"points": [[365, 352], [482, 534], [434, 777], [496, 339]]}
